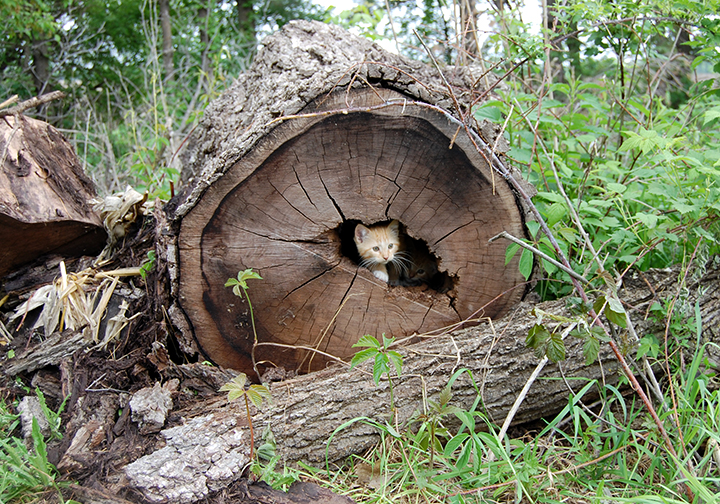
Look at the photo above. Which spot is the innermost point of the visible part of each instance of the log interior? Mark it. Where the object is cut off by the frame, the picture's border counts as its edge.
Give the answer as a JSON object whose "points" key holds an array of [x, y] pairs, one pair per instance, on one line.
{"points": [[284, 210]]}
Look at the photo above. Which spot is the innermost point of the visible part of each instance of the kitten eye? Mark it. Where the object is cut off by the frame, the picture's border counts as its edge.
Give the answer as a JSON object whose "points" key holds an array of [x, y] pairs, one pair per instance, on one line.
{"points": [[421, 272], [390, 246], [376, 248]]}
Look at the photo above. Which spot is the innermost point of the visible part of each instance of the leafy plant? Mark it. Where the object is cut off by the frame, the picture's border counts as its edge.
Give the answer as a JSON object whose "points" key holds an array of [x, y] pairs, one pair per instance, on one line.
{"points": [[382, 356], [53, 417], [148, 264], [240, 288], [255, 393]]}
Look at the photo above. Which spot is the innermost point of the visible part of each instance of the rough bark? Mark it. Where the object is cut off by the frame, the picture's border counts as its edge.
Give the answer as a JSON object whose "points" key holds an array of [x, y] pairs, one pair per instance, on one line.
{"points": [[283, 171], [308, 410], [167, 43], [44, 196]]}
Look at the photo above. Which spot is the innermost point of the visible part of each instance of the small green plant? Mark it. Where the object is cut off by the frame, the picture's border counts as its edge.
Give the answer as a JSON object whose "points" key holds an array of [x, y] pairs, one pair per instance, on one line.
{"points": [[148, 264], [240, 287], [26, 473], [255, 393], [53, 417], [382, 355]]}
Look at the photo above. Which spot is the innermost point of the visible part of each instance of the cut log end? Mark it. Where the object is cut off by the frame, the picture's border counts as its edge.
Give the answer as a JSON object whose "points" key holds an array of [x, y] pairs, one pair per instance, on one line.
{"points": [[288, 211]]}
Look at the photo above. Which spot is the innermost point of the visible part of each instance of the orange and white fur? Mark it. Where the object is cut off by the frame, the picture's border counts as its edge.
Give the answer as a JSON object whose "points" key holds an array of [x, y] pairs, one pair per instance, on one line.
{"points": [[378, 246]]}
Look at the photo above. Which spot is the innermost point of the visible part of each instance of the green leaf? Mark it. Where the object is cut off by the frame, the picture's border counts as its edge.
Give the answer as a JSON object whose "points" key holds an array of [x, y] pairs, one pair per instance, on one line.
{"points": [[555, 214], [526, 263], [648, 220], [648, 346], [618, 188], [380, 367], [711, 114], [511, 251], [533, 227], [362, 356], [397, 361], [367, 341], [615, 312], [591, 349], [258, 393], [387, 341], [235, 387], [537, 336], [556, 348]]}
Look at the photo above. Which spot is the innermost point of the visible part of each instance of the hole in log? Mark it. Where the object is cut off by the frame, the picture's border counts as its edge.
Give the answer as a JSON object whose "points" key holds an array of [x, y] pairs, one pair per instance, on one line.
{"points": [[414, 265]]}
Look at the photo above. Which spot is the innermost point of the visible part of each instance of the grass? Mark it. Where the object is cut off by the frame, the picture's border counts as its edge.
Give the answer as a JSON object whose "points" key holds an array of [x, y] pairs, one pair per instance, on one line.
{"points": [[594, 450]]}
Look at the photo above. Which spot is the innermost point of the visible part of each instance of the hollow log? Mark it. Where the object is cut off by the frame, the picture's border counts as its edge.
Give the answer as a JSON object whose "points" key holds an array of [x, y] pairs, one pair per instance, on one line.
{"points": [[44, 196], [313, 141]]}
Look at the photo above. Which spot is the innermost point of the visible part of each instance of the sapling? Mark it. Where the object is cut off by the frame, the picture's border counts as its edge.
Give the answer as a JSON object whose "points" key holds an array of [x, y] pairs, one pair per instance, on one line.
{"points": [[241, 283], [255, 393]]}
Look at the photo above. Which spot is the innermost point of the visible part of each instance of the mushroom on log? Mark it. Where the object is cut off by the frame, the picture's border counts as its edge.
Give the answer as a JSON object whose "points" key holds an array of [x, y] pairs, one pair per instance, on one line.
{"points": [[288, 207]]}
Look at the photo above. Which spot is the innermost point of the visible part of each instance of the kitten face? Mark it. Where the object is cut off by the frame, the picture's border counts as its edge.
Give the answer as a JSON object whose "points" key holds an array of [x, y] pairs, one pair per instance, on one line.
{"points": [[377, 246], [422, 268]]}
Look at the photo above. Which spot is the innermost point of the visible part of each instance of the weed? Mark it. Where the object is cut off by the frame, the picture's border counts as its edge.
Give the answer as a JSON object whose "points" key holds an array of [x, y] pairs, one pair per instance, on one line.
{"points": [[240, 287], [255, 393], [382, 356], [26, 473]]}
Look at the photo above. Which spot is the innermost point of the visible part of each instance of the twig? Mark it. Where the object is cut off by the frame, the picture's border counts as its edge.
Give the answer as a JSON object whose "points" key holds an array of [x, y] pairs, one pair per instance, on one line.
{"points": [[569, 271], [526, 388], [31, 103]]}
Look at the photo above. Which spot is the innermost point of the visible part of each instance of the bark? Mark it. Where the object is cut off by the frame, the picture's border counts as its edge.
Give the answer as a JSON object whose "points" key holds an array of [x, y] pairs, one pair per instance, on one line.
{"points": [[41, 65], [490, 362], [288, 207], [246, 22], [44, 196], [167, 44]]}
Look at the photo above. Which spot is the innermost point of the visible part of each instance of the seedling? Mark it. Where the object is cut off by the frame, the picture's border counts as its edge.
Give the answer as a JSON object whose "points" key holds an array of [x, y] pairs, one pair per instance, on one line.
{"points": [[383, 357], [255, 393]]}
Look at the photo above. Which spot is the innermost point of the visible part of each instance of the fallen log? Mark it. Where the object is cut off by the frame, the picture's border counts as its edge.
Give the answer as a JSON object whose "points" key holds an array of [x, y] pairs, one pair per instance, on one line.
{"points": [[299, 152], [307, 411]]}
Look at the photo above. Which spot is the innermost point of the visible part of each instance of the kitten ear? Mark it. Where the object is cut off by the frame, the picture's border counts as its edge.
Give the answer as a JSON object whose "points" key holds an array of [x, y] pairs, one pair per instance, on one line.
{"points": [[361, 233], [394, 226]]}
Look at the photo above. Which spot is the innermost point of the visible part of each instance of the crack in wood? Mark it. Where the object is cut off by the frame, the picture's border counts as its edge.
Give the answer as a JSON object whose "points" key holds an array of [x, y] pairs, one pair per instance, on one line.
{"points": [[297, 177], [292, 205], [327, 191]]}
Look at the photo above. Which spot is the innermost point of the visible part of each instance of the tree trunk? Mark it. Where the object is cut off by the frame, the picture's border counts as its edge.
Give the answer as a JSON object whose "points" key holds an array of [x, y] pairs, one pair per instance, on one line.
{"points": [[205, 70], [246, 23], [41, 65], [44, 196], [287, 208], [167, 44]]}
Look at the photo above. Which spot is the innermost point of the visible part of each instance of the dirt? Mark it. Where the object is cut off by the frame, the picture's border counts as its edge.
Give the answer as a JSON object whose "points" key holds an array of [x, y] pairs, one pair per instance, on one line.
{"points": [[100, 382]]}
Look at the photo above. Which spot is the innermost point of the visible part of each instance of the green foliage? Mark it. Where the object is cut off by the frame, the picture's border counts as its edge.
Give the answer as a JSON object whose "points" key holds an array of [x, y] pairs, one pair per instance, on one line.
{"points": [[583, 453], [148, 264], [240, 288], [25, 473], [255, 393], [382, 356], [53, 417]]}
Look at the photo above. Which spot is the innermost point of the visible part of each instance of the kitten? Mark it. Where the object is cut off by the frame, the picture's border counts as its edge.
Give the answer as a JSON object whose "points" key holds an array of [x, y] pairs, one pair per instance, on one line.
{"points": [[379, 246], [422, 266]]}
